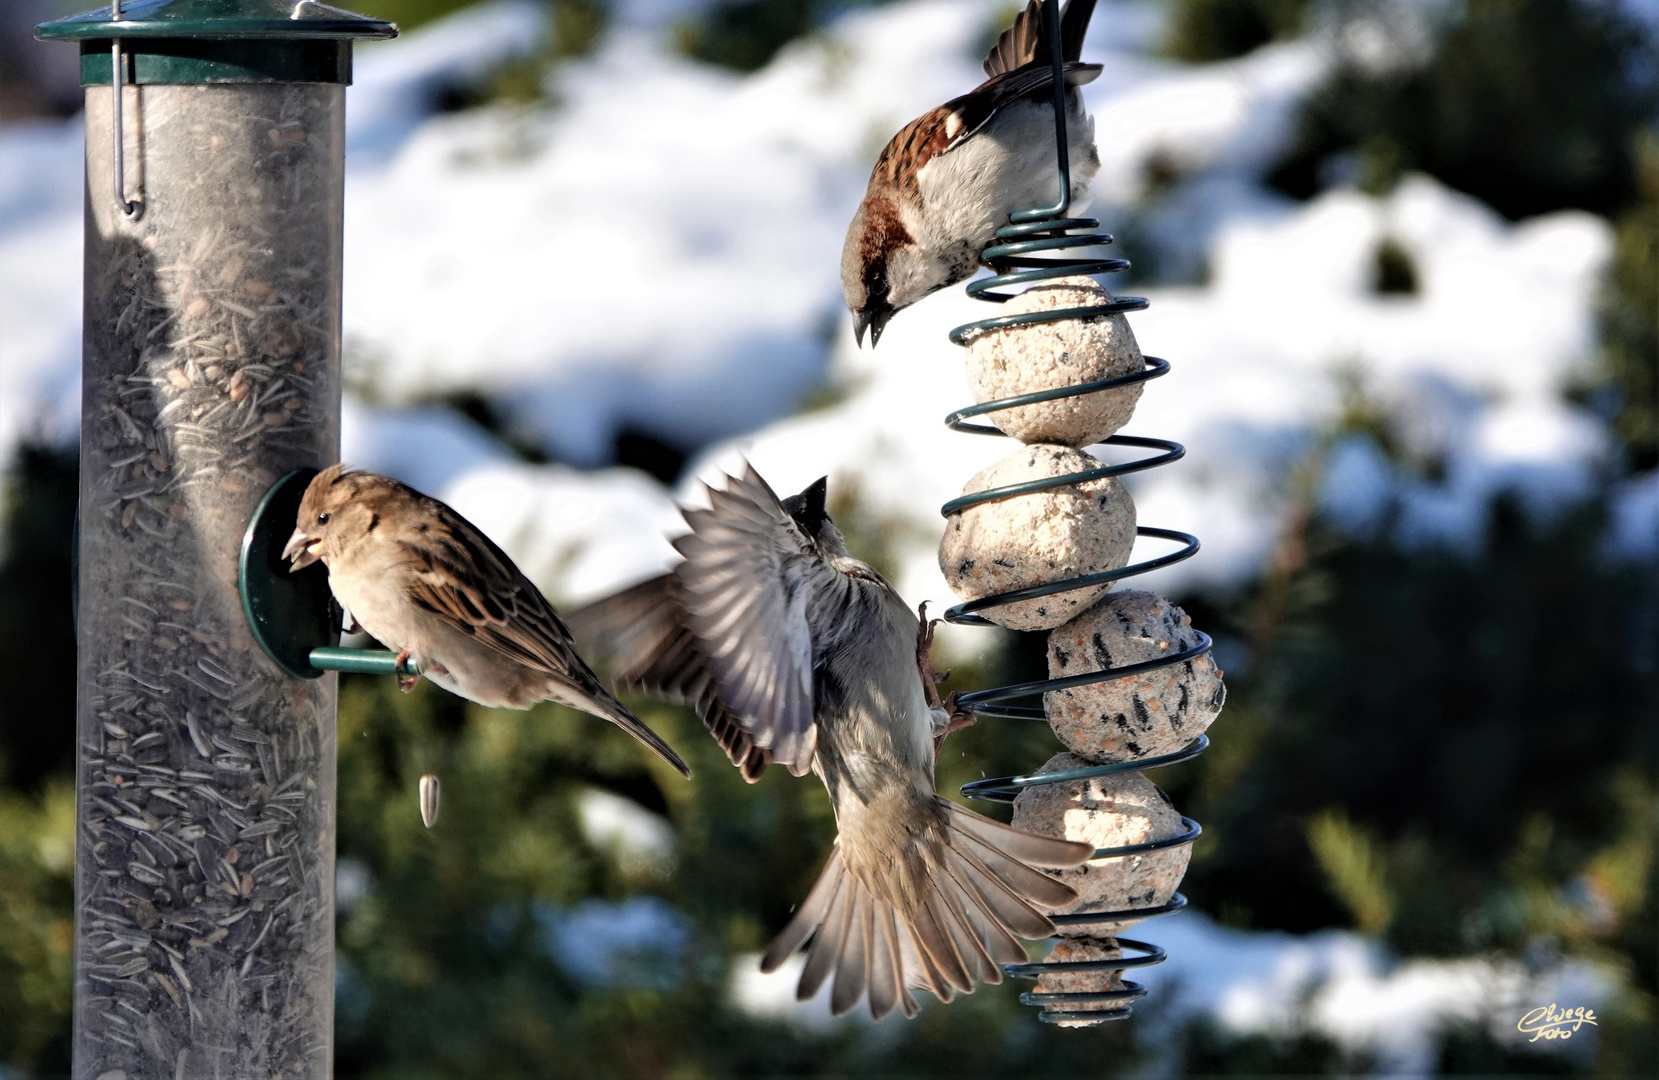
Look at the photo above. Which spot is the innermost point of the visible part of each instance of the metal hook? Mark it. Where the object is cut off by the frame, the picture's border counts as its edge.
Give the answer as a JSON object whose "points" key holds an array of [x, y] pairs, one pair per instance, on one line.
{"points": [[133, 209], [1057, 58]]}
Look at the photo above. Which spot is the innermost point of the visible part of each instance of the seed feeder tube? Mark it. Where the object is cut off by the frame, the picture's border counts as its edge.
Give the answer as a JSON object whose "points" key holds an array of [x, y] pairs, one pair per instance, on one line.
{"points": [[204, 918]]}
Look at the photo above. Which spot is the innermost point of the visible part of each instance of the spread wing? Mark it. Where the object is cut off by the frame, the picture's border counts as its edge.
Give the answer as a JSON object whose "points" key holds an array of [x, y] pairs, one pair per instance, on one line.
{"points": [[464, 579], [941, 130], [641, 630], [746, 585]]}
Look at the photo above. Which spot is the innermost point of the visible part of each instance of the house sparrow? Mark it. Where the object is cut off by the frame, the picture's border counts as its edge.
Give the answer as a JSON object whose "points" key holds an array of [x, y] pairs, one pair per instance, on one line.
{"points": [[422, 579], [798, 653], [951, 177]]}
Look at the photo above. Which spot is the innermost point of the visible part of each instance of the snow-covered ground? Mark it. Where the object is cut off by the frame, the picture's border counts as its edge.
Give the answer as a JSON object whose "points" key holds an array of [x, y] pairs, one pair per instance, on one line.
{"points": [[1333, 982], [659, 252]]}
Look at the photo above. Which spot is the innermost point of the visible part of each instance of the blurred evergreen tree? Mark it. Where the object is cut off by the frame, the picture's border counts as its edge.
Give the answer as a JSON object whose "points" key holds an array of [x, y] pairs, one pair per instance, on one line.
{"points": [[573, 29], [1207, 1049], [1452, 751], [1528, 105], [1201, 31], [449, 962], [37, 927], [1629, 317], [745, 35], [1396, 750], [37, 623], [37, 746]]}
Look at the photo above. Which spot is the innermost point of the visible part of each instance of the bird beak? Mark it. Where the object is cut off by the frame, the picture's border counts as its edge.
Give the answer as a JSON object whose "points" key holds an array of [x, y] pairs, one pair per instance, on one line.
{"points": [[860, 322], [815, 496], [303, 549], [876, 319]]}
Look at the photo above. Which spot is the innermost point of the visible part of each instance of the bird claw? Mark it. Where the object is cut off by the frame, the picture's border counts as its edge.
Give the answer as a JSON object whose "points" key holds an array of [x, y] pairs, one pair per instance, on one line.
{"points": [[956, 717], [406, 683], [959, 719]]}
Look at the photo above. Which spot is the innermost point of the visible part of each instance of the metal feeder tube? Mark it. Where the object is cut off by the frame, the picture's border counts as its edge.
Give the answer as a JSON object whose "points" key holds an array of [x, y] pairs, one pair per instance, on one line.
{"points": [[204, 889]]}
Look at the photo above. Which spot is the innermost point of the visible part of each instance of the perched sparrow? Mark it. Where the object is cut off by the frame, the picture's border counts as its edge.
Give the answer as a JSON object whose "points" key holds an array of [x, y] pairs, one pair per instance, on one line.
{"points": [[797, 653], [952, 176], [422, 579]]}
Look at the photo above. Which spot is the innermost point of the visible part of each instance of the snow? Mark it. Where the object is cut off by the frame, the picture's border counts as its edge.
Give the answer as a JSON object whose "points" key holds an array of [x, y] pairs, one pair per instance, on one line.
{"points": [[637, 942], [1251, 982], [639, 839], [396, 88], [659, 252], [1346, 987], [1474, 363]]}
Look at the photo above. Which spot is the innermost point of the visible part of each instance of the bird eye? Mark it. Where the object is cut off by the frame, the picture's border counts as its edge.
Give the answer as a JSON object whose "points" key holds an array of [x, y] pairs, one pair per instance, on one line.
{"points": [[322, 519]]}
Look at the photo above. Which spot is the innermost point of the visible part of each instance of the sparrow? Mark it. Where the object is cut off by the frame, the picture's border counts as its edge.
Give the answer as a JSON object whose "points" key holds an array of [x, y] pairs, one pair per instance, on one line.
{"points": [[795, 652], [951, 177], [426, 582]]}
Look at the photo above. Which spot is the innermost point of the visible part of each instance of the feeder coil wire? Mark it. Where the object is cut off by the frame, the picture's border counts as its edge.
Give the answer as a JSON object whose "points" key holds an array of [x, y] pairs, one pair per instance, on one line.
{"points": [[1029, 250], [1010, 259]]}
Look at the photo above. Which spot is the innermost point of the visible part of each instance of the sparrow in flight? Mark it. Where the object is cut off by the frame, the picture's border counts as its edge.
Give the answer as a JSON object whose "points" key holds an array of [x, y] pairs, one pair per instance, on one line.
{"points": [[795, 652], [951, 177], [426, 582]]}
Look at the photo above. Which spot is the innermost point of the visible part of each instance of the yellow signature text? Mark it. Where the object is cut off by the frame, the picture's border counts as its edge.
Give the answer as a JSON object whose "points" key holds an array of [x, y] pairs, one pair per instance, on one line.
{"points": [[1549, 1022]]}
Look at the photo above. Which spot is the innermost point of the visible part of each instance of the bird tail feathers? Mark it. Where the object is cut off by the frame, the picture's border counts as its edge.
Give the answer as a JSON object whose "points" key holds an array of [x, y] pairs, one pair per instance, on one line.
{"points": [[942, 917], [600, 702], [1027, 42]]}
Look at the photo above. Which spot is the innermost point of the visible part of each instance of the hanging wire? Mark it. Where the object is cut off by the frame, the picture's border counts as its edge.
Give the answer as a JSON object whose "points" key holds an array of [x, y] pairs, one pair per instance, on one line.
{"points": [[1012, 258], [132, 209]]}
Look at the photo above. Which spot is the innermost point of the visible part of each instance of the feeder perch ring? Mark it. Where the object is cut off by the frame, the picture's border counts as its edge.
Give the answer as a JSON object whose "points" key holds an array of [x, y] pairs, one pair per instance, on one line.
{"points": [[294, 616]]}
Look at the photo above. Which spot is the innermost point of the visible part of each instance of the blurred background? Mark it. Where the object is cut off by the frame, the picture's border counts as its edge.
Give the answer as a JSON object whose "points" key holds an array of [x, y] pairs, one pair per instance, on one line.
{"points": [[1404, 258]]}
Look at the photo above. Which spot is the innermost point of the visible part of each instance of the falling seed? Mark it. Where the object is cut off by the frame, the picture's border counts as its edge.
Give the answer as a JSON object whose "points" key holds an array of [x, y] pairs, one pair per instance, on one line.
{"points": [[429, 800]]}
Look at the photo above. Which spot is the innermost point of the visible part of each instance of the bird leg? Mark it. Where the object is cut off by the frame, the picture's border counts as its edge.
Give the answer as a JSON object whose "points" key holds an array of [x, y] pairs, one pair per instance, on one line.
{"points": [[406, 683], [924, 658], [948, 716]]}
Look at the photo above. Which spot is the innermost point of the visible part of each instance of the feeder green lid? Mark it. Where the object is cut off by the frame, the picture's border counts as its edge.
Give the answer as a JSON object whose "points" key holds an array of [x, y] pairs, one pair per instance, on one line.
{"points": [[218, 41], [287, 20]]}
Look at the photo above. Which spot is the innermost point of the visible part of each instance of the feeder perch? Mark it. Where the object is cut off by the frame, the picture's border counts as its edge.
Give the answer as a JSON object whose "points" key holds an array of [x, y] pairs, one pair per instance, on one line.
{"points": [[293, 615], [204, 885]]}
